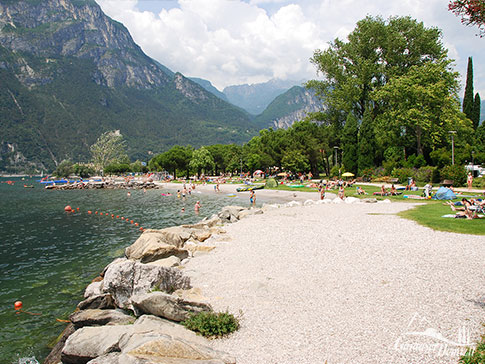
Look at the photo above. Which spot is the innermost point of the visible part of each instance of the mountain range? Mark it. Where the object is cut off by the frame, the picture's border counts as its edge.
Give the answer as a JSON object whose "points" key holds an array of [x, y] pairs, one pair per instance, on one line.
{"points": [[70, 73]]}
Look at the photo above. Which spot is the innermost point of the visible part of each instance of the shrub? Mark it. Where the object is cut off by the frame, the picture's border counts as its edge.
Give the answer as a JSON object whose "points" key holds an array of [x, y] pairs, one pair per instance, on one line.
{"points": [[424, 174], [271, 183], [367, 173], [436, 177], [456, 173], [334, 172], [212, 324], [479, 182], [403, 173]]}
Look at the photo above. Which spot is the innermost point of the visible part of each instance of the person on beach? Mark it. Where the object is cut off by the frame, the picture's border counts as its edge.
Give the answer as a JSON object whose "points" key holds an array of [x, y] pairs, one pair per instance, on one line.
{"points": [[252, 197], [128, 194], [469, 180], [197, 207], [360, 191], [383, 191], [393, 190], [178, 193], [341, 193], [321, 191]]}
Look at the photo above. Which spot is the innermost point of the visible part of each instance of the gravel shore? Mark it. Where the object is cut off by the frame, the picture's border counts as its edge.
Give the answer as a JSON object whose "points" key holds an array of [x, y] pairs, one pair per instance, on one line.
{"points": [[341, 283]]}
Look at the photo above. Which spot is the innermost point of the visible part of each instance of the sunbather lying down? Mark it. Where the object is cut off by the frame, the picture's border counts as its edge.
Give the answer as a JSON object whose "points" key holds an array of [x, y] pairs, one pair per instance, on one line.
{"points": [[468, 210]]}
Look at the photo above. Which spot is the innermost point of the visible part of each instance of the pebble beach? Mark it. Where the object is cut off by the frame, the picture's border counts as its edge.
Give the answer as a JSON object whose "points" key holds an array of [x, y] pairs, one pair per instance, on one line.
{"points": [[343, 283]]}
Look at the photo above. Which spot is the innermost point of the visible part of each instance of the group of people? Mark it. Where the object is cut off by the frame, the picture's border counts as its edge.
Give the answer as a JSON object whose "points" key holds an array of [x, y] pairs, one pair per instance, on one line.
{"points": [[468, 209]]}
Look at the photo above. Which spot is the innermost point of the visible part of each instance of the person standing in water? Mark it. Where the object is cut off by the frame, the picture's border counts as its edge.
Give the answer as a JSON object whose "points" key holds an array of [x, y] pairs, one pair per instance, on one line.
{"points": [[252, 197], [197, 207]]}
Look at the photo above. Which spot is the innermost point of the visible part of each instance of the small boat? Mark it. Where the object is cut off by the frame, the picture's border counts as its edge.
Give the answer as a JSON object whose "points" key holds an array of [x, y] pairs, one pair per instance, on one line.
{"points": [[249, 188], [28, 186]]}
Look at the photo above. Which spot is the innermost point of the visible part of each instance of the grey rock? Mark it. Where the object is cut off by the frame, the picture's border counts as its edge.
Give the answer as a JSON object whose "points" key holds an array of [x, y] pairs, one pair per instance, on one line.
{"points": [[128, 278], [88, 343], [168, 306], [93, 289], [157, 244], [103, 301], [169, 262], [369, 200], [97, 317], [119, 358], [250, 212]]}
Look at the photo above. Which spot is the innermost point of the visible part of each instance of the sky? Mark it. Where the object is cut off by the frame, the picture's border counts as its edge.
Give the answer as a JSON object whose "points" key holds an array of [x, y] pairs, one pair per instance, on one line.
{"points": [[232, 42]]}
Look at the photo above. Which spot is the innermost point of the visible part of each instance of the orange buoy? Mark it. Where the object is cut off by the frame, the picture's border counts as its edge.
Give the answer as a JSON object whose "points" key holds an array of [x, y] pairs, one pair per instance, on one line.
{"points": [[131, 221], [68, 208], [127, 220], [77, 208], [136, 224], [96, 212], [101, 213], [112, 215], [117, 216], [122, 218], [90, 212], [18, 305], [141, 229]]}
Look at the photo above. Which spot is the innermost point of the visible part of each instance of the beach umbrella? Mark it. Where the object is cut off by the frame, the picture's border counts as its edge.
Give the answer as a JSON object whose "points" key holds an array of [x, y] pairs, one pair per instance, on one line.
{"points": [[347, 174], [257, 172]]}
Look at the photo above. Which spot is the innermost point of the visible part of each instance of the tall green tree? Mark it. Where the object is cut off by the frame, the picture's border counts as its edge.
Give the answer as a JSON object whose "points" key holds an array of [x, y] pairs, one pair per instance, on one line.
{"points": [[468, 102], [375, 52], [422, 107], [202, 161], [109, 148], [366, 142], [350, 144], [477, 104]]}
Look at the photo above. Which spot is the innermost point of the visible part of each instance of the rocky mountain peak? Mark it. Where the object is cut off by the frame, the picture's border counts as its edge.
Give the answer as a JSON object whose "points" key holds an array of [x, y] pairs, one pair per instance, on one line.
{"points": [[73, 28]]}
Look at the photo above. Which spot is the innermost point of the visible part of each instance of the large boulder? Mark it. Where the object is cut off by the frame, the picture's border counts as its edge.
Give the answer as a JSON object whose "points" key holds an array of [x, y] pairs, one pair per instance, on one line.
{"points": [[158, 244], [230, 213], [103, 301], [168, 306], [88, 343], [54, 356], [128, 278], [93, 289], [97, 317], [250, 212], [169, 262]]}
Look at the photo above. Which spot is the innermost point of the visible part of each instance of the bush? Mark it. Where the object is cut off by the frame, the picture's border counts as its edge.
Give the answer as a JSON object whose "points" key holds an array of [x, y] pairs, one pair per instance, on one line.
{"points": [[403, 173], [64, 169], [116, 168], [367, 174], [424, 174], [436, 177], [271, 183], [334, 172], [479, 182], [83, 170], [456, 173], [212, 324]]}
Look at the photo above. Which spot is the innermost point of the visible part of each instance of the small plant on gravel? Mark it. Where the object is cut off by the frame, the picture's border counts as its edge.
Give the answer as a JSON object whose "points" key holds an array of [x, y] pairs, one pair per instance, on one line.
{"points": [[212, 324], [476, 356]]}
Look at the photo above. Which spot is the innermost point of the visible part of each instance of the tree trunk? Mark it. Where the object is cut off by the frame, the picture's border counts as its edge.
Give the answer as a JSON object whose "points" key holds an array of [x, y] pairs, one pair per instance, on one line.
{"points": [[419, 133]]}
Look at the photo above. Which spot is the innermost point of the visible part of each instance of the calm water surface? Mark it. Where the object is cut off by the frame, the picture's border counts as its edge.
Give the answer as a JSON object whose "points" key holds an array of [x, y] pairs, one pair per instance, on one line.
{"points": [[49, 256]]}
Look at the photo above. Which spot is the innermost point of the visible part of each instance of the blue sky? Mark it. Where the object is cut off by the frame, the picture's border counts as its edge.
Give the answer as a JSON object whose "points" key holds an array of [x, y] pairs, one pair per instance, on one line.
{"points": [[249, 41]]}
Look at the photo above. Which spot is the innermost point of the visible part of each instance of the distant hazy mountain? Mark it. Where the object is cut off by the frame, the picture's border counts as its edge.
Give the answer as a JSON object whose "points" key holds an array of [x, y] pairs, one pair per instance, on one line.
{"points": [[256, 97], [68, 73], [209, 87], [287, 108]]}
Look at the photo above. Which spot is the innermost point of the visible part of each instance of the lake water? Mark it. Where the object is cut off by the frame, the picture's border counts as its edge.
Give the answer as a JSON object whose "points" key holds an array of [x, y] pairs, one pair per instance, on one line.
{"points": [[49, 256]]}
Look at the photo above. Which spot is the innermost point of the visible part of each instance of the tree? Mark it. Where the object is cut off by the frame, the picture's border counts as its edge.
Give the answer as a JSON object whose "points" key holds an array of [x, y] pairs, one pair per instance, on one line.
{"points": [[422, 106], [109, 148], [472, 12], [295, 162], [376, 51], [468, 103], [83, 171], [477, 104], [202, 160], [64, 169], [350, 140], [366, 143], [176, 158]]}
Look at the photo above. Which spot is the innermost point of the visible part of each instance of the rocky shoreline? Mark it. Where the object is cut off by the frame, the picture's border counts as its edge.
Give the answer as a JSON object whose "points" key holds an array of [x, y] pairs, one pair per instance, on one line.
{"points": [[108, 184], [131, 312]]}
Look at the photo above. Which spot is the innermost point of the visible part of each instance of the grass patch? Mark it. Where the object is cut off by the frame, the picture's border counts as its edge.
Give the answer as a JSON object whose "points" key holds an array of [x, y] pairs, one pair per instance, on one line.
{"points": [[212, 324], [476, 356], [430, 214]]}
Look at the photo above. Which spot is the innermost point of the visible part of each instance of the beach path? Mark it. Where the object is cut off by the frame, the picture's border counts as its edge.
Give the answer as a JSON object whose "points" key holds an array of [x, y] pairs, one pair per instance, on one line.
{"points": [[341, 283]]}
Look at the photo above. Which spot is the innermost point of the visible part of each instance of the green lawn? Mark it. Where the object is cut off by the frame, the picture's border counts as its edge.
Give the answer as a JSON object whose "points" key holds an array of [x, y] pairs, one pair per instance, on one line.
{"points": [[430, 215]]}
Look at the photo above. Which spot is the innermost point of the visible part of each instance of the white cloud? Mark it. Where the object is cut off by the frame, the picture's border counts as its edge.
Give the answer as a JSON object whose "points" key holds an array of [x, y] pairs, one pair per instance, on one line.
{"points": [[234, 41]]}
